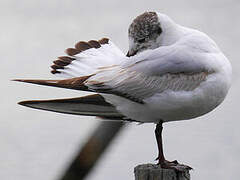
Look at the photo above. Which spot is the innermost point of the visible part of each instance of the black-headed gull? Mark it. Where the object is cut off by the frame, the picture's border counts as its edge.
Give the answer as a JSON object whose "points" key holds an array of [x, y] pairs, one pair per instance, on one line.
{"points": [[170, 73]]}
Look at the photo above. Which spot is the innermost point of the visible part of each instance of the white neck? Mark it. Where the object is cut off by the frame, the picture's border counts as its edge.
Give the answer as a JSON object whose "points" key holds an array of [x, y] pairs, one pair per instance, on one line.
{"points": [[171, 32]]}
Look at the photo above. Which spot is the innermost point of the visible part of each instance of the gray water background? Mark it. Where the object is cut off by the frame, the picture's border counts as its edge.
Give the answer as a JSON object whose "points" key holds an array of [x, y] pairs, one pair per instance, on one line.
{"points": [[39, 145]]}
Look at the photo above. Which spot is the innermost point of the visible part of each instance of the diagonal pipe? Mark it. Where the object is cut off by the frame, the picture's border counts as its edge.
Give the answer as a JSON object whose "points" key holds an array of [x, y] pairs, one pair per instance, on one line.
{"points": [[90, 153]]}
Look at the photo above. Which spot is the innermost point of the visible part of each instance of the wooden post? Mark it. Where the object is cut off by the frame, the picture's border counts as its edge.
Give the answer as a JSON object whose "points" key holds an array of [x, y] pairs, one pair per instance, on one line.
{"points": [[155, 172]]}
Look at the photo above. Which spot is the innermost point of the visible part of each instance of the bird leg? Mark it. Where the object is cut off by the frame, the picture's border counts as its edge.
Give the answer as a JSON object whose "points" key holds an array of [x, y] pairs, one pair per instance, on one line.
{"points": [[161, 159], [158, 133]]}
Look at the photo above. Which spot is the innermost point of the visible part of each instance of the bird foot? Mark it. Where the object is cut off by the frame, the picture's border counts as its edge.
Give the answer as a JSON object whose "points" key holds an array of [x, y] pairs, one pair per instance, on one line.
{"points": [[174, 161], [174, 165]]}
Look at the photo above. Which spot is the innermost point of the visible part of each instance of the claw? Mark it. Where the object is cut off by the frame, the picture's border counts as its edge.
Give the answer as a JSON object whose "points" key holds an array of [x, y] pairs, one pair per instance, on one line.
{"points": [[174, 165], [174, 162]]}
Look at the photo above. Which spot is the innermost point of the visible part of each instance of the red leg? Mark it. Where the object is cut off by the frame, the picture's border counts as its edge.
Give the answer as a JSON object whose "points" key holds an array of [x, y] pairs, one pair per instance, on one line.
{"points": [[158, 134], [161, 159]]}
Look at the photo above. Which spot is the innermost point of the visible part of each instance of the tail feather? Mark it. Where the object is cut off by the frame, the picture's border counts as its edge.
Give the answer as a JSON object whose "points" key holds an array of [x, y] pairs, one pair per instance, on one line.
{"points": [[92, 105]]}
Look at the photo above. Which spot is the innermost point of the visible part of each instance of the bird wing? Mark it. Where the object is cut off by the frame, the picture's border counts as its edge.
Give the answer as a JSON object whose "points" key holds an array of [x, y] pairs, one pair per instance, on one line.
{"points": [[154, 71], [91, 105], [81, 62], [86, 57]]}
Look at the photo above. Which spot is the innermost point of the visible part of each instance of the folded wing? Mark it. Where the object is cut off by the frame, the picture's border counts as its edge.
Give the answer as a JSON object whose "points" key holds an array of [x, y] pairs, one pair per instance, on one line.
{"points": [[151, 72], [138, 86], [92, 105]]}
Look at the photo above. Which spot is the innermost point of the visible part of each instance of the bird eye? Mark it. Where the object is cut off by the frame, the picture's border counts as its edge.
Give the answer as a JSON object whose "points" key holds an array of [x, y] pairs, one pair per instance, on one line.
{"points": [[159, 30], [141, 40]]}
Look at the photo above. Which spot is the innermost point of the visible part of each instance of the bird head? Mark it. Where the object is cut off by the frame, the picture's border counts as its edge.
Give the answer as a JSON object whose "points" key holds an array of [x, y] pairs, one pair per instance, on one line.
{"points": [[148, 31]]}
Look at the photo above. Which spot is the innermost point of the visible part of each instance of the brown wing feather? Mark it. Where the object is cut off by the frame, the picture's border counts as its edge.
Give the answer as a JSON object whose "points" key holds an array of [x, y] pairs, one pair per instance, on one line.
{"points": [[92, 105], [79, 47], [72, 83]]}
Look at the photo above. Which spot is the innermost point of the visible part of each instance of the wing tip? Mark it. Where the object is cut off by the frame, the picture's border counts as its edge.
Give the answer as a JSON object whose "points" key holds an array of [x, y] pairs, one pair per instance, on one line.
{"points": [[22, 103], [24, 80], [37, 81], [91, 105], [18, 80], [26, 103], [72, 83]]}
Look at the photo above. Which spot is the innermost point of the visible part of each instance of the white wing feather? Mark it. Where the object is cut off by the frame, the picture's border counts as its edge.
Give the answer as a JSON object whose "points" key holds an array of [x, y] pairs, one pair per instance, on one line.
{"points": [[88, 61]]}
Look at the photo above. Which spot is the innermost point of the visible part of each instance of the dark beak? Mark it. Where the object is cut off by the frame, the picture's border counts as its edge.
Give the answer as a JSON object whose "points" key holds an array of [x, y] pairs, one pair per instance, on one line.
{"points": [[131, 54]]}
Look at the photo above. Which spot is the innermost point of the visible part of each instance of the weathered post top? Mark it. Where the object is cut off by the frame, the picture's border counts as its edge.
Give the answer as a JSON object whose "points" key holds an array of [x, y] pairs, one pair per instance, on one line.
{"points": [[155, 172]]}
